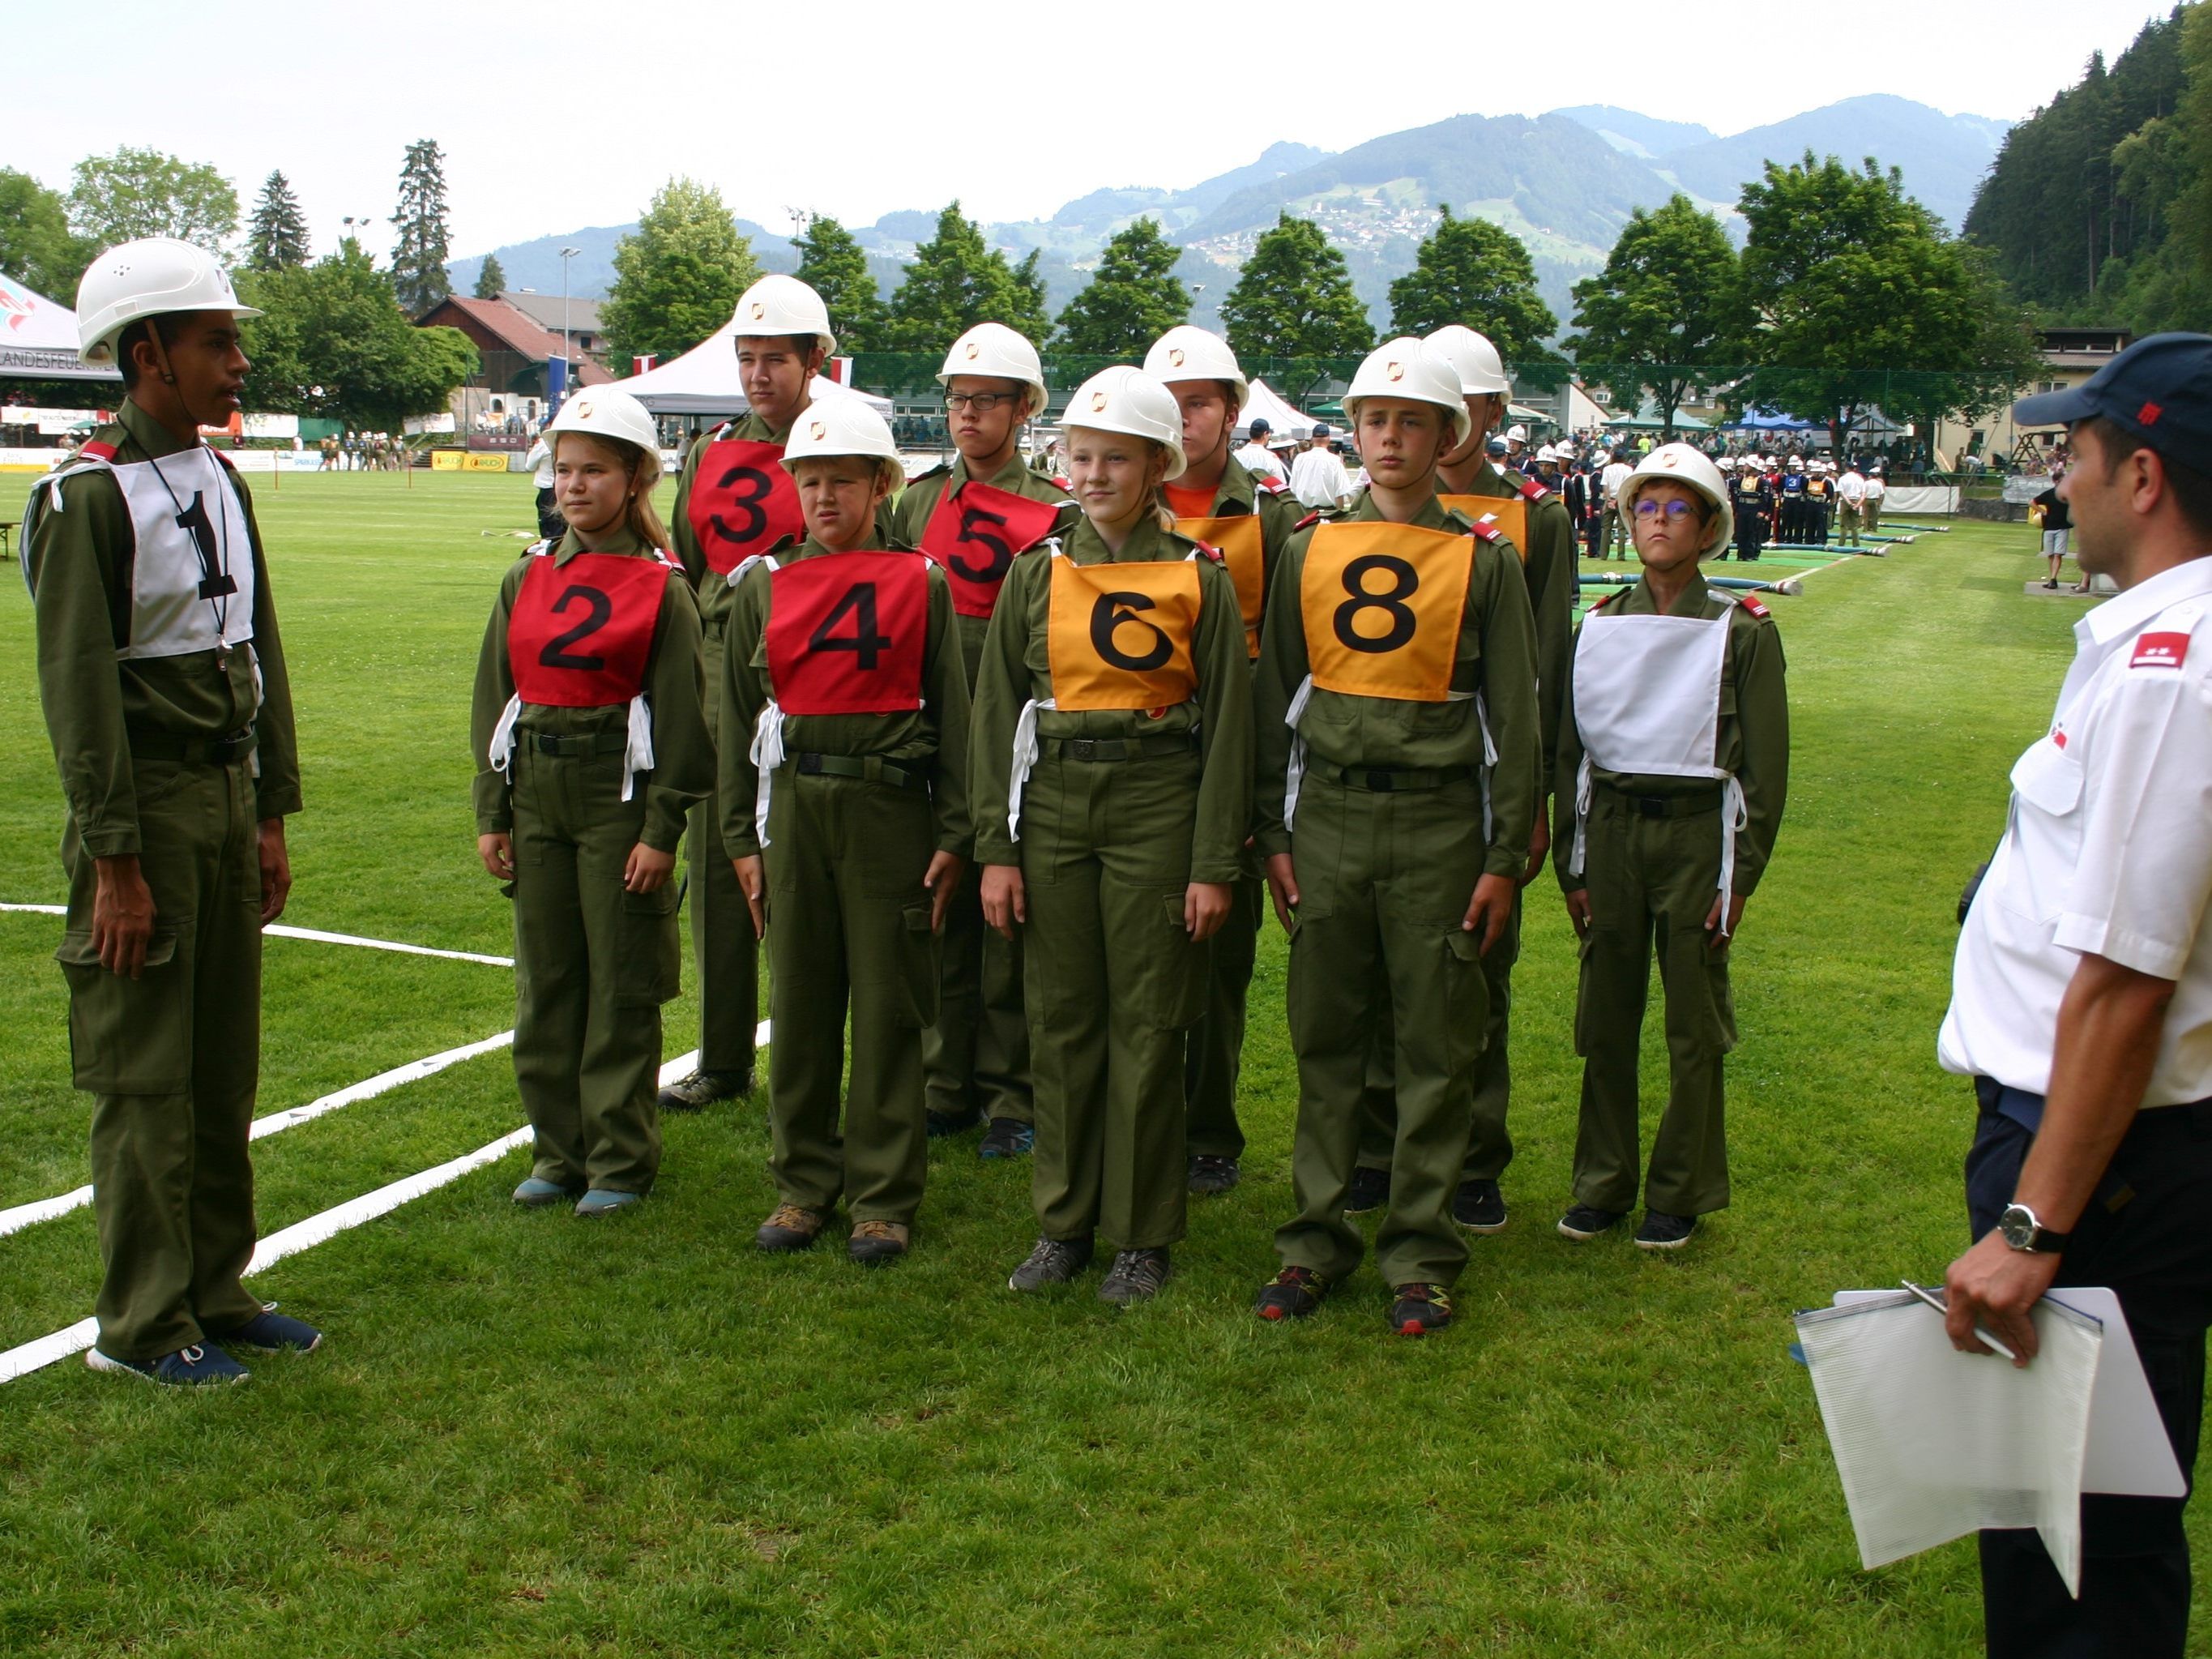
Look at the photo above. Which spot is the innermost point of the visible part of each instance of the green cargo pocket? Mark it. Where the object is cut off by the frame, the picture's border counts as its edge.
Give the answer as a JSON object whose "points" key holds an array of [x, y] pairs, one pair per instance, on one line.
{"points": [[1583, 1018], [648, 951], [917, 968], [1466, 996], [1172, 990], [1700, 975], [129, 1036], [1002, 969]]}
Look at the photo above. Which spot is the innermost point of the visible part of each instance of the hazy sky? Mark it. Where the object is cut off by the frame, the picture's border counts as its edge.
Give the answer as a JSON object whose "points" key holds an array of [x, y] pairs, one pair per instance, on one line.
{"points": [[554, 116]]}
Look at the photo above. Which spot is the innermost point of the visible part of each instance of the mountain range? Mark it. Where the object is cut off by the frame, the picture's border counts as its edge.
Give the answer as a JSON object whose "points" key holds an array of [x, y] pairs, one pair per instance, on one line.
{"points": [[1564, 182]]}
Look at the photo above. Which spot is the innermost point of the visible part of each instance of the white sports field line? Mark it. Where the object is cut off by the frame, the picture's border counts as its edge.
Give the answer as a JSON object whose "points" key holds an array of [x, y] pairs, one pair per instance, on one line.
{"points": [[316, 936]]}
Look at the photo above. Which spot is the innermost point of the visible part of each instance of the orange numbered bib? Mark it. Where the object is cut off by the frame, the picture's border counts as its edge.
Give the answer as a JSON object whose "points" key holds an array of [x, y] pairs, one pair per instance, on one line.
{"points": [[1244, 550], [1121, 636], [1382, 604], [1511, 513]]}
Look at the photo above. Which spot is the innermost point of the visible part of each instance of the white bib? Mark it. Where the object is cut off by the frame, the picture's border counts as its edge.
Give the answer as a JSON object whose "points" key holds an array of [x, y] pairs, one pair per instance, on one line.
{"points": [[192, 575], [1648, 693]]}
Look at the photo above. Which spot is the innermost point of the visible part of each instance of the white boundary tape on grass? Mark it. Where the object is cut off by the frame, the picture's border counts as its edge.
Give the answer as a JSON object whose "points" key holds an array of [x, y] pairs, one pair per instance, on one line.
{"points": [[314, 935]]}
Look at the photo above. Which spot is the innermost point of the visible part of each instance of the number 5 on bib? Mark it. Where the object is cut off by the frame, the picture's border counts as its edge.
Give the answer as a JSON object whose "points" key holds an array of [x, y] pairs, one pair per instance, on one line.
{"points": [[1121, 634], [1381, 604]]}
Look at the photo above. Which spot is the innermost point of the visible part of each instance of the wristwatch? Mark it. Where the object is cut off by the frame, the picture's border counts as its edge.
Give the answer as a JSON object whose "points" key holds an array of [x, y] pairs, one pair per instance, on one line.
{"points": [[2024, 1232]]}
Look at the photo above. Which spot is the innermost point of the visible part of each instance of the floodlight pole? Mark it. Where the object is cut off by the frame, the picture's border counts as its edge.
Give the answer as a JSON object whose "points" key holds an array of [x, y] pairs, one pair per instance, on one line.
{"points": [[566, 368]]}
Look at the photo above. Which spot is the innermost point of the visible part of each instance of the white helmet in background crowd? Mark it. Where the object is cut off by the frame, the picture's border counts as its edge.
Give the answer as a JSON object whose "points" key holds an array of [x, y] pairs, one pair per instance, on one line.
{"points": [[840, 424], [1516, 434], [1411, 368], [1725, 463], [1481, 371], [154, 277], [783, 305], [996, 352], [1684, 465], [1128, 400], [601, 411], [1189, 353]]}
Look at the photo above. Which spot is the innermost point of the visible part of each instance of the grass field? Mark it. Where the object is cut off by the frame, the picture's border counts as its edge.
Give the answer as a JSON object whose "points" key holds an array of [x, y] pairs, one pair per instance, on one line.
{"points": [[530, 1436]]}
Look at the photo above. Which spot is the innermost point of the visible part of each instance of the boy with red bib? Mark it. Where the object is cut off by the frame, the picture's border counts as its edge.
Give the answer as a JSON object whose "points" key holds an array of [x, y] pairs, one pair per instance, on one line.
{"points": [[843, 774]]}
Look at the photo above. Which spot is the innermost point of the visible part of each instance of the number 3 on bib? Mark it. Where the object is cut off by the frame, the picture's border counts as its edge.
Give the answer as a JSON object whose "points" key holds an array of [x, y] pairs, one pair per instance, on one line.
{"points": [[1381, 604]]}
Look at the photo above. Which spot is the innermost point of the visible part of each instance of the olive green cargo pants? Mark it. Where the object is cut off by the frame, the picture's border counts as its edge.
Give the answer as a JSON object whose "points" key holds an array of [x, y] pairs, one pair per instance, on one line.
{"points": [[848, 922], [1113, 983], [976, 1055], [1216, 1057], [1652, 881], [172, 1060], [593, 964], [1383, 884], [726, 955]]}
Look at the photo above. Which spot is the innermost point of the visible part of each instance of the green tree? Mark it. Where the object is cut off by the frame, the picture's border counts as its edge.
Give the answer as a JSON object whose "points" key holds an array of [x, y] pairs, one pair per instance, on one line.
{"points": [[833, 264], [37, 247], [1130, 299], [277, 233], [1473, 272], [142, 192], [957, 281], [677, 279], [490, 279], [1858, 298], [423, 243], [1294, 298], [1667, 299], [333, 341]]}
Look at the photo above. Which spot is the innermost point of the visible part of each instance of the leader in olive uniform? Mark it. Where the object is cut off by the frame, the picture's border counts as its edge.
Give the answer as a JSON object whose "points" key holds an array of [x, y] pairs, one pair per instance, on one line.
{"points": [[844, 671], [976, 1057], [162, 676], [733, 500], [1398, 663], [1668, 841], [1222, 503], [591, 740], [1541, 531], [1113, 769]]}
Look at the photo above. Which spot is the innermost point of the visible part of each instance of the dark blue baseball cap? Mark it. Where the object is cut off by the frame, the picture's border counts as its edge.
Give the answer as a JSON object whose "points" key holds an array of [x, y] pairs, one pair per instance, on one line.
{"points": [[2159, 389]]}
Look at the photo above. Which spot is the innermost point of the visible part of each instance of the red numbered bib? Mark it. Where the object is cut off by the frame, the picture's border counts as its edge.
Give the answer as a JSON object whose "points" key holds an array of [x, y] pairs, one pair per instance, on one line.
{"points": [[742, 502], [846, 632], [581, 634], [975, 532]]}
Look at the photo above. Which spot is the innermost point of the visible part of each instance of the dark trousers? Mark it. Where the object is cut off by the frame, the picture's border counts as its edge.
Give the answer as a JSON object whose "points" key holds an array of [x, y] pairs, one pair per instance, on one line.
{"points": [[2143, 1234]]}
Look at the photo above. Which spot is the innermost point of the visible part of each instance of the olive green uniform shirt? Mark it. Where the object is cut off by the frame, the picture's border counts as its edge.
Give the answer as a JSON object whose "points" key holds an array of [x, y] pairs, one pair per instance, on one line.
{"points": [[77, 561], [933, 735], [1549, 569], [1754, 741], [675, 690], [910, 517], [1017, 666], [1496, 657]]}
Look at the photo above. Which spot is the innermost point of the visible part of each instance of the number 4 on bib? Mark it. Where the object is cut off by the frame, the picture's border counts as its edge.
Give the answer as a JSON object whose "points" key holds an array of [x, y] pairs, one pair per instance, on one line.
{"points": [[845, 633]]}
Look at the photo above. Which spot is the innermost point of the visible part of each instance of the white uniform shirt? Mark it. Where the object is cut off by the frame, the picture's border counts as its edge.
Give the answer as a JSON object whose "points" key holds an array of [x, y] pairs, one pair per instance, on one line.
{"points": [[2108, 849], [1256, 459], [1852, 487], [540, 461], [1317, 478], [1874, 486], [1613, 477]]}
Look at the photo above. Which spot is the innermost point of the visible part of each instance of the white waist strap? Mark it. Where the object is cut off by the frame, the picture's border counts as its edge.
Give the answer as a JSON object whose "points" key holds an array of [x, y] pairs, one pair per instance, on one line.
{"points": [[503, 738], [638, 756], [766, 754], [1024, 762], [1295, 774]]}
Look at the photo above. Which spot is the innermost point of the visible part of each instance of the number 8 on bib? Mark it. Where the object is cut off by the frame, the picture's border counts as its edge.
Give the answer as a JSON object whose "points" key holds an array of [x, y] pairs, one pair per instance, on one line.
{"points": [[1381, 604]]}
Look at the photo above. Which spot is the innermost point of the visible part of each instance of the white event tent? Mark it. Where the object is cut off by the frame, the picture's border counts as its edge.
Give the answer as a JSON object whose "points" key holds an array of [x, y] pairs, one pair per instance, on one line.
{"points": [[38, 338], [1264, 403], [704, 382]]}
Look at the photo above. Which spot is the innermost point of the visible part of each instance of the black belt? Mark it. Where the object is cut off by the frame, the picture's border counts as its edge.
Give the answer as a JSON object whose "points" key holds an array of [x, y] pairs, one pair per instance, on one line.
{"points": [[1120, 749], [583, 748], [1390, 780], [1666, 806], [146, 744], [874, 768]]}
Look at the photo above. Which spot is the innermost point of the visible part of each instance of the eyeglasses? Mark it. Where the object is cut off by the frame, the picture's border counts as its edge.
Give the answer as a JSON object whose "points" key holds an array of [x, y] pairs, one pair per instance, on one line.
{"points": [[1676, 510], [982, 402]]}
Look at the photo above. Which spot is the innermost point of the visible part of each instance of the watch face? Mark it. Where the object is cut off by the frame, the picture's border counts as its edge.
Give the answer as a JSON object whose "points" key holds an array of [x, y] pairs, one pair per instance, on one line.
{"points": [[2018, 1226]]}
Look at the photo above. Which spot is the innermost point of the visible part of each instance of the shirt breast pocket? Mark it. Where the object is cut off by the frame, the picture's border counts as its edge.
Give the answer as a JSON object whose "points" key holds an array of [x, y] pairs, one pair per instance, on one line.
{"points": [[2046, 785]]}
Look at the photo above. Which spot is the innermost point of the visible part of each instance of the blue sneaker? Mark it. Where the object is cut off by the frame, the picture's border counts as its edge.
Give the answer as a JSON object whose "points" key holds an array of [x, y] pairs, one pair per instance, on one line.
{"points": [[190, 1367], [536, 1195], [603, 1201], [1007, 1138], [270, 1332]]}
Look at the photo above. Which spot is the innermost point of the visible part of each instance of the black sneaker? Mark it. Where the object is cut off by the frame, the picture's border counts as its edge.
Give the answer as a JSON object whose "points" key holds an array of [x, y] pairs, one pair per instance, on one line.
{"points": [[1007, 1137], [1053, 1261], [270, 1332], [1480, 1208], [1662, 1232], [1369, 1191], [941, 1124], [1416, 1310], [700, 1090], [196, 1366], [1212, 1175], [1586, 1221], [1135, 1276], [1291, 1294]]}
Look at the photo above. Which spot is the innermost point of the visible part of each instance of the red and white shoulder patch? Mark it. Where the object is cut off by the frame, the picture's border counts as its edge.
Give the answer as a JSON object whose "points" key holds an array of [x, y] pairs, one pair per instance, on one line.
{"points": [[96, 451], [1212, 552], [1533, 491], [1487, 531], [2160, 651], [1750, 602], [1312, 517], [1269, 483]]}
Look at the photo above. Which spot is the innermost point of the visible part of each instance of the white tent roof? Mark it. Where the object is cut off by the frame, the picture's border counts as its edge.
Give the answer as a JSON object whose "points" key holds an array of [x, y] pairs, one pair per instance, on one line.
{"points": [[704, 382], [38, 338], [1263, 403]]}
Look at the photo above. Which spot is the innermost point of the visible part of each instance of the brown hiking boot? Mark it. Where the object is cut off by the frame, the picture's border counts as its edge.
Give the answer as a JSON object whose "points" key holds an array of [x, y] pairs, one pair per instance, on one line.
{"points": [[878, 1240], [793, 1227]]}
